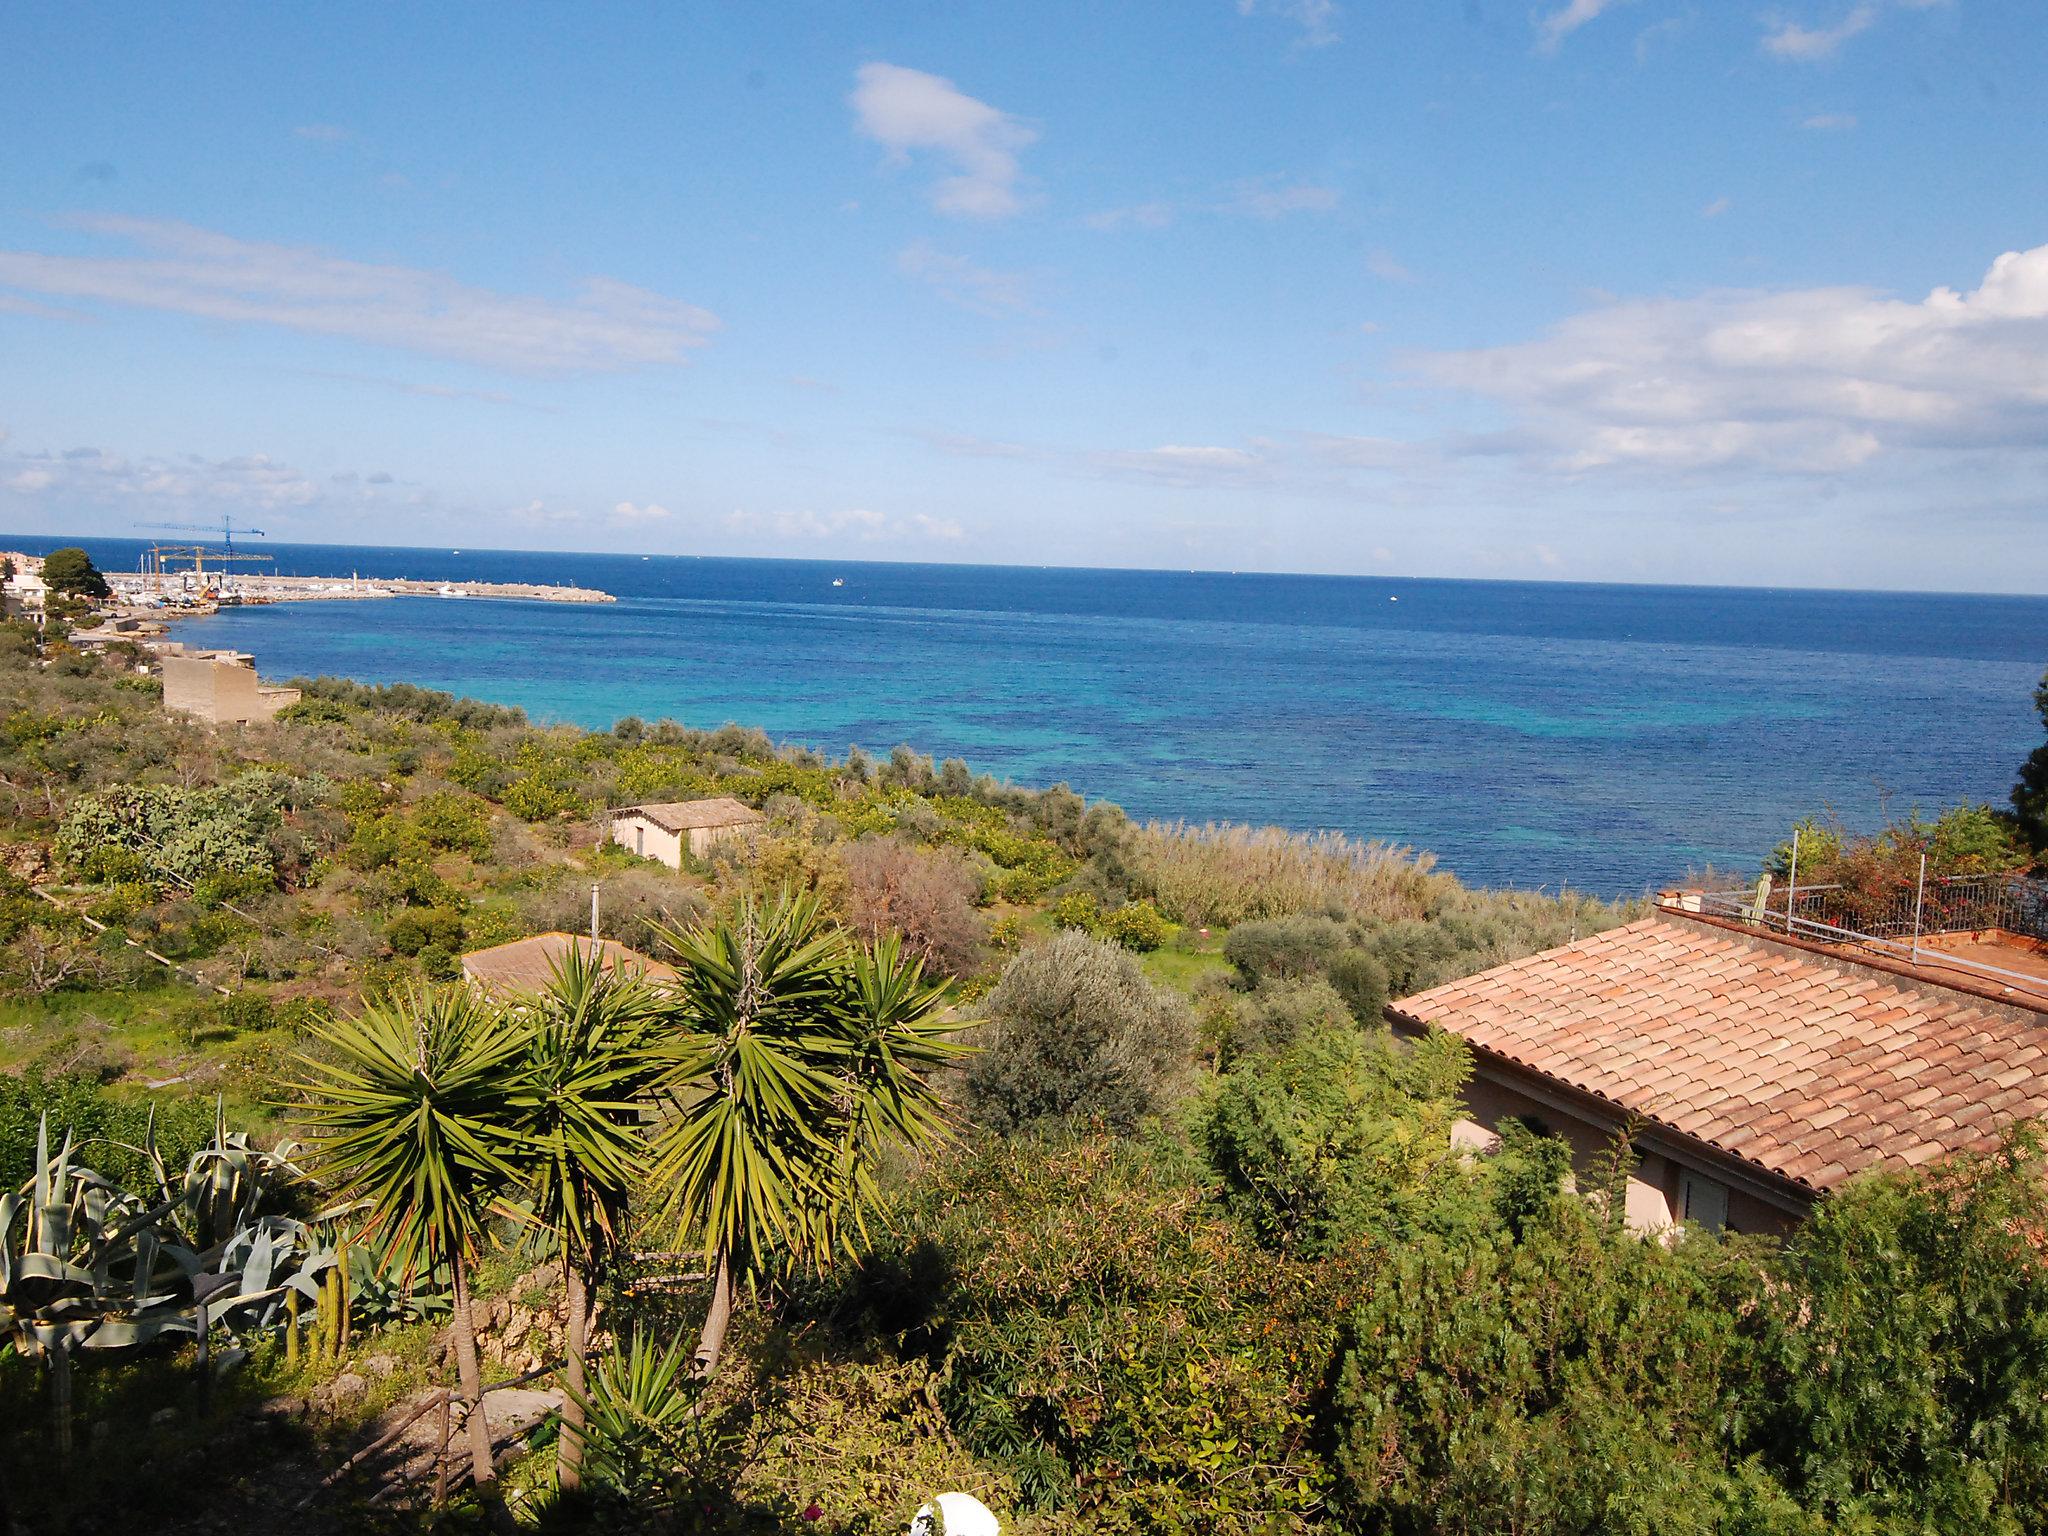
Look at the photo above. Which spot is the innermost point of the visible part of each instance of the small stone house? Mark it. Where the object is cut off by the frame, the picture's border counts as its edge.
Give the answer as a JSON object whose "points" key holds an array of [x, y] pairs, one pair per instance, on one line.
{"points": [[1761, 1071], [667, 831]]}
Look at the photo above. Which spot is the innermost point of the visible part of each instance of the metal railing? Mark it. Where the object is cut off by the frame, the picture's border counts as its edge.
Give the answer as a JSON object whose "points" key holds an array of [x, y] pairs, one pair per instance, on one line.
{"points": [[1905, 921]]}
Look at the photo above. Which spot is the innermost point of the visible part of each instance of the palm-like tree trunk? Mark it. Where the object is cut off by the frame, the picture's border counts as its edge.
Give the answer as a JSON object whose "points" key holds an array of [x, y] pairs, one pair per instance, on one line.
{"points": [[711, 1342], [471, 1377], [569, 1447]]}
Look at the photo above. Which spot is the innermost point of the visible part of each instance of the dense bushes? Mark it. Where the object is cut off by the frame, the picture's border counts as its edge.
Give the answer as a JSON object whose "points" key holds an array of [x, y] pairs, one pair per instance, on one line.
{"points": [[1339, 1139], [1075, 1032], [1568, 1380], [1114, 1345], [109, 1131]]}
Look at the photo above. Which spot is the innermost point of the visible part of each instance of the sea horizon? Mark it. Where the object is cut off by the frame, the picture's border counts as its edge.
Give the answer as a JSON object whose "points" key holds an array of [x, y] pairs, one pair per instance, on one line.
{"points": [[41, 543], [1606, 736]]}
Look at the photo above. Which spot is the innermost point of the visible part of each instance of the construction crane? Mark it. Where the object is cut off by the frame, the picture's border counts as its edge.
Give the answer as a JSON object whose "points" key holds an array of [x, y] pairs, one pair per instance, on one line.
{"points": [[225, 528], [161, 560]]}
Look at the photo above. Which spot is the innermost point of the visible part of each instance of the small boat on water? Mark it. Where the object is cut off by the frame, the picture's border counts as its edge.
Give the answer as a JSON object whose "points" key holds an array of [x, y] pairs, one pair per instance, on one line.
{"points": [[838, 581]]}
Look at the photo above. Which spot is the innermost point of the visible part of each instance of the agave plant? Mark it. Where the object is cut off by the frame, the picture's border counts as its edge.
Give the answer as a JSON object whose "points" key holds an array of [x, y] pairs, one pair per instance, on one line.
{"points": [[82, 1268]]}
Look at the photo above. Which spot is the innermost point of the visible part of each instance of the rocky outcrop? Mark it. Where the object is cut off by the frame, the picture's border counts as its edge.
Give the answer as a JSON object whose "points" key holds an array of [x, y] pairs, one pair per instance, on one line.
{"points": [[523, 1329], [26, 861]]}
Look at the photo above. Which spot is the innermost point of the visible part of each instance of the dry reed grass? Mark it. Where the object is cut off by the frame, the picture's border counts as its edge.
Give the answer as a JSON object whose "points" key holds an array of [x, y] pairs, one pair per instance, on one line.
{"points": [[1224, 873]]}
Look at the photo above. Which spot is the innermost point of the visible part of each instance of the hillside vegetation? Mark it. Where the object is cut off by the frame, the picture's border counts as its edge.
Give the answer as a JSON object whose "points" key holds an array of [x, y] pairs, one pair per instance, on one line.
{"points": [[1121, 1209]]}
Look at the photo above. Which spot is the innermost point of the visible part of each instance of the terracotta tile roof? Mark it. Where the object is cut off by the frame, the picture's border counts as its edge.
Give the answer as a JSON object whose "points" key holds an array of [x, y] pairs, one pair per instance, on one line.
{"points": [[524, 965], [693, 815], [1812, 1070]]}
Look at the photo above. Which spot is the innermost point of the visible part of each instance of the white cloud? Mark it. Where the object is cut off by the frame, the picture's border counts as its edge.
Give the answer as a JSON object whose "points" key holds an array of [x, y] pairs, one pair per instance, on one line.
{"points": [[907, 109], [653, 512], [1553, 29], [1790, 40], [1275, 200], [963, 282], [1716, 208], [1317, 19], [1830, 122], [1806, 380], [1178, 464], [1258, 197], [1155, 215], [609, 325], [323, 133], [1381, 263], [859, 525], [93, 476]]}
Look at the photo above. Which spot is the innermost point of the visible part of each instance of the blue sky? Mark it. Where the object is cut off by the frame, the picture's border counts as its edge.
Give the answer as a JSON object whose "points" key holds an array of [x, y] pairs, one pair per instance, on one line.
{"points": [[1576, 289]]}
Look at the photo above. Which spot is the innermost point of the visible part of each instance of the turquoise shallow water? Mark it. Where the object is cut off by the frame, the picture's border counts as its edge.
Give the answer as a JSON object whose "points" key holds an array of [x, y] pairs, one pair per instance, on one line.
{"points": [[1608, 737]]}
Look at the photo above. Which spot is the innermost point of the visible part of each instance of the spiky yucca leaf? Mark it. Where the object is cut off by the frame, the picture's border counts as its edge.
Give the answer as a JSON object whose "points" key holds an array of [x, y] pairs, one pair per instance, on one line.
{"points": [[592, 1061], [410, 1109], [758, 1053]]}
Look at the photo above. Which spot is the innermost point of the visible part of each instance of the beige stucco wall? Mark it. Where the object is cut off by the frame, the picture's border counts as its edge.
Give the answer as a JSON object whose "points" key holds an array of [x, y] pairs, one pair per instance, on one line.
{"points": [[220, 689], [648, 840], [704, 839], [1654, 1197]]}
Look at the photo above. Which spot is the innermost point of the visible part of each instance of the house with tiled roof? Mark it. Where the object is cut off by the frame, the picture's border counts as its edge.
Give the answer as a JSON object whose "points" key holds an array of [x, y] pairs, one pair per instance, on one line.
{"points": [[1762, 1069], [668, 830], [527, 965]]}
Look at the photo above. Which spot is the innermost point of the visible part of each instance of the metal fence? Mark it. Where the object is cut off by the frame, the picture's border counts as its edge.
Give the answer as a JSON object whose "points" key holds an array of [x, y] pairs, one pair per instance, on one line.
{"points": [[1905, 920]]}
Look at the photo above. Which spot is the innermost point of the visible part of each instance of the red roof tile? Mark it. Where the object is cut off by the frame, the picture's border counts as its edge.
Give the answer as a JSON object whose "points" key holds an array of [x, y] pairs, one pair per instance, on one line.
{"points": [[1785, 1059]]}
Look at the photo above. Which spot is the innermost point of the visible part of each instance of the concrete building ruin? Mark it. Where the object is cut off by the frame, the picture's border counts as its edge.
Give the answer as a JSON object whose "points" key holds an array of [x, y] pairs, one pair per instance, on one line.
{"points": [[219, 687]]}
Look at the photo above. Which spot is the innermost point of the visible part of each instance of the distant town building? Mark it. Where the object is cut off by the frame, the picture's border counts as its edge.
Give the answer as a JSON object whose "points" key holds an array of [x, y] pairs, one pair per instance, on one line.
{"points": [[1763, 1070], [220, 687], [664, 832], [526, 965], [23, 595]]}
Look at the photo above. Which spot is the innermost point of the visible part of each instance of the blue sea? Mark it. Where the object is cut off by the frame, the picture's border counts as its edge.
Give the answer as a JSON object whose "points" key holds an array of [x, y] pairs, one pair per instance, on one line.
{"points": [[1536, 734]]}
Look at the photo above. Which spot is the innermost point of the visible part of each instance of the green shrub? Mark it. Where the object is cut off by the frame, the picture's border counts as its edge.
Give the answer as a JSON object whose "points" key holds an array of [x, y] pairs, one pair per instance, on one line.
{"points": [[417, 928], [314, 712], [1136, 925], [1572, 1380], [109, 1129], [1270, 1018], [1900, 1371], [1361, 980], [1340, 1139], [1284, 948], [1078, 911], [1075, 1032], [221, 889], [118, 905], [1115, 1346]]}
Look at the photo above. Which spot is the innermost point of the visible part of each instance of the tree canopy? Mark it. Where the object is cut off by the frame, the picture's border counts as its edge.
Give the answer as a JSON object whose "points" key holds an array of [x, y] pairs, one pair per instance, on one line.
{"points": [[70, 570]]}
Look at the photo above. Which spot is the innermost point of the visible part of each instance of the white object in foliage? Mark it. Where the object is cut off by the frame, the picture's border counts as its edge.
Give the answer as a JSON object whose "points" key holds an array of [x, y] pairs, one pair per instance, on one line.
{"points": [[954, 1514]]}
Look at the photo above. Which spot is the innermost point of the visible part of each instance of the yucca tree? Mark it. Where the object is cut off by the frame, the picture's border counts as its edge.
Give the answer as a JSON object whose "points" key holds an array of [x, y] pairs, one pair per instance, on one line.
{"points": [[898, 1032], [590, 1067], [409, 1106], [795, 1058]]}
